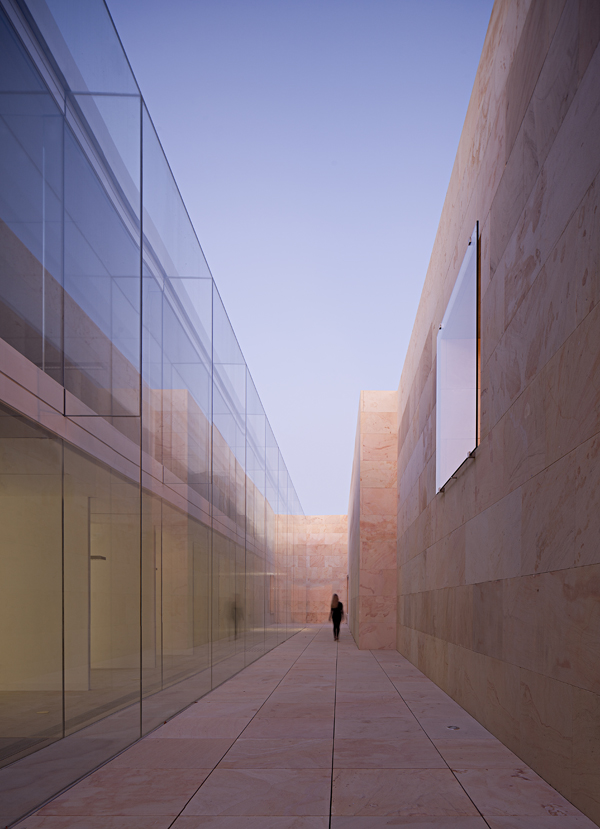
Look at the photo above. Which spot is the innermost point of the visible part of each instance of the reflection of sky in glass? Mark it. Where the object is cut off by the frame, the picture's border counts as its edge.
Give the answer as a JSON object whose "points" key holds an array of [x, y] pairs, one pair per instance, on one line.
{"points": [[112, 157], [115, 124], [456, 421], [83, 43]]}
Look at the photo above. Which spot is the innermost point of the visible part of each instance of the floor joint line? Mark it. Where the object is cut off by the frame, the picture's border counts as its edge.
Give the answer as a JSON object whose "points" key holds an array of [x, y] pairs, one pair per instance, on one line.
{"points": [[253, 716], [333, 734], [429, 738]]}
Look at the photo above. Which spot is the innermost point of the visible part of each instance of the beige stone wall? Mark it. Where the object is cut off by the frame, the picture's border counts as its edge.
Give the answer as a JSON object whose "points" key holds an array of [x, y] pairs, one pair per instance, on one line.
{"points": [[499, 576], [372, 523], [323, 564], [354, 539]]}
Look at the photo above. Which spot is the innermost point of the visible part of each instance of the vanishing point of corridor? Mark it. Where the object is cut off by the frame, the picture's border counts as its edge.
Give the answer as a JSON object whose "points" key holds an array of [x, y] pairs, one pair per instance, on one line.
{"points": [[316, 734]]}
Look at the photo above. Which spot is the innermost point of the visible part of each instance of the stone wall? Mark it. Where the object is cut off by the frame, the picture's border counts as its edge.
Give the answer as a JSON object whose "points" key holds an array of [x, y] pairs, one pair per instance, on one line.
{"points": [[372, 523], [499, 575], [324, 563]]}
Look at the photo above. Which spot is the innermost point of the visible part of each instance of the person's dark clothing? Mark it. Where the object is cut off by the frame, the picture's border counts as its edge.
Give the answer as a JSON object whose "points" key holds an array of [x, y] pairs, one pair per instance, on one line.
{"points": [[336, 618]]}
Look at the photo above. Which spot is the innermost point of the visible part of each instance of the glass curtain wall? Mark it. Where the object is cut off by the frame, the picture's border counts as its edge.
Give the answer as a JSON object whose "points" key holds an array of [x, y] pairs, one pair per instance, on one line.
{"points": [[149, 522]]}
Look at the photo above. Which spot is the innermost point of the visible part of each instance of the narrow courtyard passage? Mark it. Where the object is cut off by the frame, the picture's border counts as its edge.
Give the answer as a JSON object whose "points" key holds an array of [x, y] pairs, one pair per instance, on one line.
{"points": [[316, 735]]}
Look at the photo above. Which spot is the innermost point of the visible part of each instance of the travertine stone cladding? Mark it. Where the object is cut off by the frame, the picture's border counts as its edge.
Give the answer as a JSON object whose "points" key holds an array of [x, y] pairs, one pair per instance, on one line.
{"points": [[372, 523], [323, 564], [499, 576]]}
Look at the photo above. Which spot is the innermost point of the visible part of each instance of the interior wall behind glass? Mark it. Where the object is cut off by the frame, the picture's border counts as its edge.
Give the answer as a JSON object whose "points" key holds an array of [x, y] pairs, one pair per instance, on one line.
{"points": [[102, 594], [175, 610], [31, 680]]}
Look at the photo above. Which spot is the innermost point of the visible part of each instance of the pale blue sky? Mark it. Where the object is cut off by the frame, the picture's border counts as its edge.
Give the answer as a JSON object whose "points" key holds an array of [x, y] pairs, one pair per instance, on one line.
{"points": [[312, 141]]}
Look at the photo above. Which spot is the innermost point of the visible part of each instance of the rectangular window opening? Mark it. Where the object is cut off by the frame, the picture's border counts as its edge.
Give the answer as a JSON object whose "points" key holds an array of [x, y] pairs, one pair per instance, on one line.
{"points": [[458, 370]]}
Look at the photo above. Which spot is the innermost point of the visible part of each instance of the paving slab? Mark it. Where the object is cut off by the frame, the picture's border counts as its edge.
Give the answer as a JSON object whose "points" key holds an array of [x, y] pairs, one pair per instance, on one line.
{"points": [[316, 735]]}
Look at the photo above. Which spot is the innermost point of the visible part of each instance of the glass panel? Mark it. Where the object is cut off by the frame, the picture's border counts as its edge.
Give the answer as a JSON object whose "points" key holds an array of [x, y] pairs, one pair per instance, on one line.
{"points": [[152, 638], [102, 294], [282, 554], [152, 369], [177, 402], [31, 149], [228, 498], [186, 386], [175, 604], [176, 545], [298, 590], [255, 522], [456, 406], [229, 428], [85, 45], [184, 559], [113, 127], [31, 680], [102, 598], [171, 246], [229, 612], [272, 507]]}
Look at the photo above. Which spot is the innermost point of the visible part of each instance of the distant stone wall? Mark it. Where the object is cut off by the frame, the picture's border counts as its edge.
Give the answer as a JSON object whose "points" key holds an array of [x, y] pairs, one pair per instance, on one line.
{"points": [[324, 563]]}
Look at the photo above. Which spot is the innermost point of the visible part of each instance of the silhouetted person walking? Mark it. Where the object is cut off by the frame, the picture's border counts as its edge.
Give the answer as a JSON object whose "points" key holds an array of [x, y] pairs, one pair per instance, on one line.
{"points": [[336, 615]]}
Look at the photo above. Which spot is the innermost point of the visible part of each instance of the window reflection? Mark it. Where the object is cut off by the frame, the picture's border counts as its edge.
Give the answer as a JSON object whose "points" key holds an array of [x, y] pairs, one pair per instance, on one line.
{"points": [[457, 354], [102, 287], [31, 196]]}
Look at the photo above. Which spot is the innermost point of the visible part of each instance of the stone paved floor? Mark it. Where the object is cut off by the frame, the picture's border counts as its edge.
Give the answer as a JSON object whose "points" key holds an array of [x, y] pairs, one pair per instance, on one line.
{"points": [[312, 736]]}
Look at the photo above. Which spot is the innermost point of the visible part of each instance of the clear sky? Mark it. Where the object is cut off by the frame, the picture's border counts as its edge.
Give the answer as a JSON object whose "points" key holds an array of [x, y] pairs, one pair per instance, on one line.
{"points": [[312, 141]]}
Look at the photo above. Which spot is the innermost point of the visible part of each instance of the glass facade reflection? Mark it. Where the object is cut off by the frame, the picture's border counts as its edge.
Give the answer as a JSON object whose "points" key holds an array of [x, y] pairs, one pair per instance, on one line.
{"points": [[149, 522], [457, 371]]}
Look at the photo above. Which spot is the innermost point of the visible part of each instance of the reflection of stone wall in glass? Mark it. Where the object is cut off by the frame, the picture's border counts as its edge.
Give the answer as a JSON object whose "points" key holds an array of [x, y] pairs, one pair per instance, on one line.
{"points": [[25, 290], [100, 376]]}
